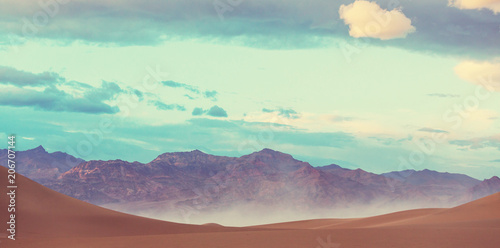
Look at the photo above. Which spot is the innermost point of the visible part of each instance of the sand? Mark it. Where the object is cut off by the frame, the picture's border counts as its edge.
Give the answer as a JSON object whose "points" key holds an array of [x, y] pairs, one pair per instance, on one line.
{"points": [[46, 219]]}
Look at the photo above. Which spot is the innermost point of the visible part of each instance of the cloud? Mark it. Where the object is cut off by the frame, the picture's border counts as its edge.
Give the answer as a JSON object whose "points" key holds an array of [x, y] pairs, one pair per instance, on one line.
{"points": [[339, 118], [52, 99], [286, 113], [212, 95], [259, 23], [482, 73], [478, 143], [214, 111], [163, 106], [181, 85], [432, 130], [108, 91], [138, 93], [57, 94], [189, 97], [198, 111], [11, 76], [368, 19], [209, 94], [217, 111], [442, 95], [493, 5]]}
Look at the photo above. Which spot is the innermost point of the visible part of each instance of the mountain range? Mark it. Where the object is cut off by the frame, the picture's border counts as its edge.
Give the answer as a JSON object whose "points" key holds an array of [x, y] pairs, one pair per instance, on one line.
{"points": [[200, 182], [48, 219]]}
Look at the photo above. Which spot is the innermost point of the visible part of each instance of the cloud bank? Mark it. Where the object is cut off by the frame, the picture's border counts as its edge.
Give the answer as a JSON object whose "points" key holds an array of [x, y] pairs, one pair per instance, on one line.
{"points": [[268, 24], [56, 93]]}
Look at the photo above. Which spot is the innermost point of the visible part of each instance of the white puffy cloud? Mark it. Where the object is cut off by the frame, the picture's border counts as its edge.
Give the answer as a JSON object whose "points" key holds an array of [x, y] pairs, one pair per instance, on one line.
{"points": [[368, 19], [482, 73], [493, 5]]}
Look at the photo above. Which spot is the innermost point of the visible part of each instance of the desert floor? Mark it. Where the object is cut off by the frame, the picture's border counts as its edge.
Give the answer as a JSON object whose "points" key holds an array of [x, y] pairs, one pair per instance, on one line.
{"points": [[47, 219]]}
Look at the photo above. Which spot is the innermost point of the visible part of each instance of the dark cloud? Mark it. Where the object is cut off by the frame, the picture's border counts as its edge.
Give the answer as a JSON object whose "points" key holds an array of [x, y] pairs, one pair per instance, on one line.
{"points": [[163, 106], [432, 130], [285, 113], [52, 99], [214, 111], [87, 98], [11, 76], [274, 24]]}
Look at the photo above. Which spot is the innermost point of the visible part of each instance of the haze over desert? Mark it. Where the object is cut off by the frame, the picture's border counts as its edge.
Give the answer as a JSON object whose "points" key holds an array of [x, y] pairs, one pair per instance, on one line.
{"points": [[50, 219]]}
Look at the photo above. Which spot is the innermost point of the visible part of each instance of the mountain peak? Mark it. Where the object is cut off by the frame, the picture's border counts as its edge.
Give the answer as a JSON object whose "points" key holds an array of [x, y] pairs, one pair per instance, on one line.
{"points": [[38, 149], [270, 156], [197, 152], [330, 167], [267, 150], [269, 153], [493, 178]]}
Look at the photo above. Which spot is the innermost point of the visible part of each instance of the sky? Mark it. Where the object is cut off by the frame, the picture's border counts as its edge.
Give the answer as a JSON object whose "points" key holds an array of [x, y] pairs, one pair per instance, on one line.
{"points": [[377, 85]]}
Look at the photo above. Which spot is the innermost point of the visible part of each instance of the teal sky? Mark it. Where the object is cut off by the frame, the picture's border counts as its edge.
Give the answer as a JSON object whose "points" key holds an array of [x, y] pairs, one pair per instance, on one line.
{"points": [[174, 76]]}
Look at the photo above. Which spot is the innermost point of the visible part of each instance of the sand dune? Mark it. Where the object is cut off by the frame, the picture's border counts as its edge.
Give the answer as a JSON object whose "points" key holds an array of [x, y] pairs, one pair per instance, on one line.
{"points": [[42, 212], [46, 219]]}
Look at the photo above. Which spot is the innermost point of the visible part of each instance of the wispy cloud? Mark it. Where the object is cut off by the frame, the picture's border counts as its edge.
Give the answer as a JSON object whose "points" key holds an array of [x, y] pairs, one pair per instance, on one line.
{"points": [[478, 143], [432, 130], [442, 95], [181, 85], [163, 106], [285, 113], [209, 94]]}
